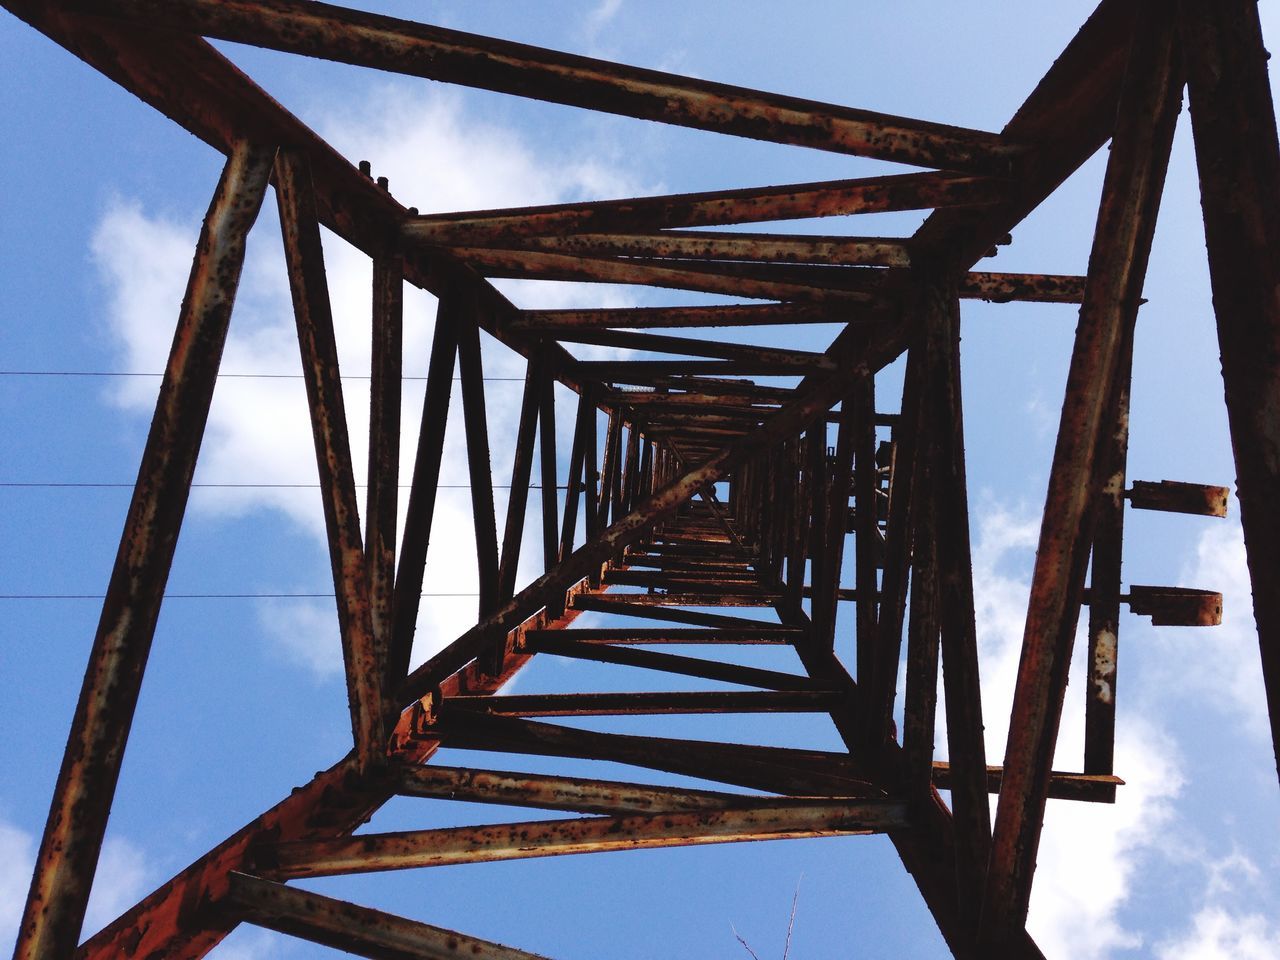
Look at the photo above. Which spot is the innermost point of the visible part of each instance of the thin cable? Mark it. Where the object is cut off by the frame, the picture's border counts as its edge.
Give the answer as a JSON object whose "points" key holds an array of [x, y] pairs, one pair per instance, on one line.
{"points": [[231, 376], [203, 596], [245, 486]]}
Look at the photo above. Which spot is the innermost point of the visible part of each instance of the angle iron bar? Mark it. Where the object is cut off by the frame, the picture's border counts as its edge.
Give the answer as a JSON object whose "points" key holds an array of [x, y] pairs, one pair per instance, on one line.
{"points": [[352, 928], [386, 43], [780, 820], [1135, 175], [72, 839], [909, 191]]}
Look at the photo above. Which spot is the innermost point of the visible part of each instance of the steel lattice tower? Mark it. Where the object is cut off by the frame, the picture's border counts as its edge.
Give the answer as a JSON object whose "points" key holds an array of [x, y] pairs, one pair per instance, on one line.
{"points": [[657, 540]]}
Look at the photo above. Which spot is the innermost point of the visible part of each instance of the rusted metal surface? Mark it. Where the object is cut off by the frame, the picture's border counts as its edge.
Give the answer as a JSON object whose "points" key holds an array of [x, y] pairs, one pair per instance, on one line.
{"points": [[911, 191], [1126, 219], [765, 633], [653, 520], [1175, 606], [1173, 496], [68, 855], [725, 278], [478, 462], [867, 544], [792, 361], [1104, 576], [707, 245], [366, 671], [1087, 787], [1027, 287], [630, 704], [581, 795], [784, 770], [554, 321], [521, 468], [355, 929], [945, 496], [547, 469], [364, 39], [578, 470], [1234, 127], [780, 820], [421, 508], [382, 498], [672, 663]]}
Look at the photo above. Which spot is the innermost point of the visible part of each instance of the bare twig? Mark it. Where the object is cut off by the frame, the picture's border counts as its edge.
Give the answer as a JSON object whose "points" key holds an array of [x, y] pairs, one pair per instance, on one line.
{"points": [[743, 942], [791, 921]]}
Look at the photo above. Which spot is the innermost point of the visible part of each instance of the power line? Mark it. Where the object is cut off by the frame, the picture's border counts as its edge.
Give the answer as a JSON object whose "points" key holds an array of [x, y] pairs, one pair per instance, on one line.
{"points": [[221, 376], [25, 484], [203, 596]]}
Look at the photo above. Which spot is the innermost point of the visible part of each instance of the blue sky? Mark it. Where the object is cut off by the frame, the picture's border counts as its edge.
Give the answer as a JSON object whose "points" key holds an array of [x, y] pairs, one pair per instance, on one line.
{"points": [[244, 698]]}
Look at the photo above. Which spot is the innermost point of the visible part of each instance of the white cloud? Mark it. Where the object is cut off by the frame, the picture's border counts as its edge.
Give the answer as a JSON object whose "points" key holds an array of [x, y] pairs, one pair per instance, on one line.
{"points": [[1219, 669], [17, 854], [438, 158], [1089, 853], [1220, 934], [251, 943], [121, 879], [601, 14], [1220, 930]]}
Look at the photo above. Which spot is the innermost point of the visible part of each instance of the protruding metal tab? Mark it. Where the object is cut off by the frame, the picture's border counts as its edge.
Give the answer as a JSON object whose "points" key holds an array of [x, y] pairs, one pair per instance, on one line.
{"points": [[1176, 606], [1174, 496]]}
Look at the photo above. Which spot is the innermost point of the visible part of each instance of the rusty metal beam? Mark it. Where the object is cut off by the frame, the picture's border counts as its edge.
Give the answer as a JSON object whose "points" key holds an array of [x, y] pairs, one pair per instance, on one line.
{"points": [[1022, 287], [766, 633], [911, 191], [366, 671], [1174, 496], [946, 488], [354, 929], [867, 548], [180, 921], [702, 315], [420, 511], [190, 82], [920, 698], [879, 693], [670, 663], [609, 467], [68, 855], [402, 46], [800, 361], [478, 463], [1085, 787], [635, 704], [579, 794], [381, 501], [548, 469], [1126, 219], [1234, 127], [700, 276], [631, 467], [808, 773], [521, 468], [1104, 577], [779, 820], [655, 373], [579, 469], [620, 606], [709, 245]]}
